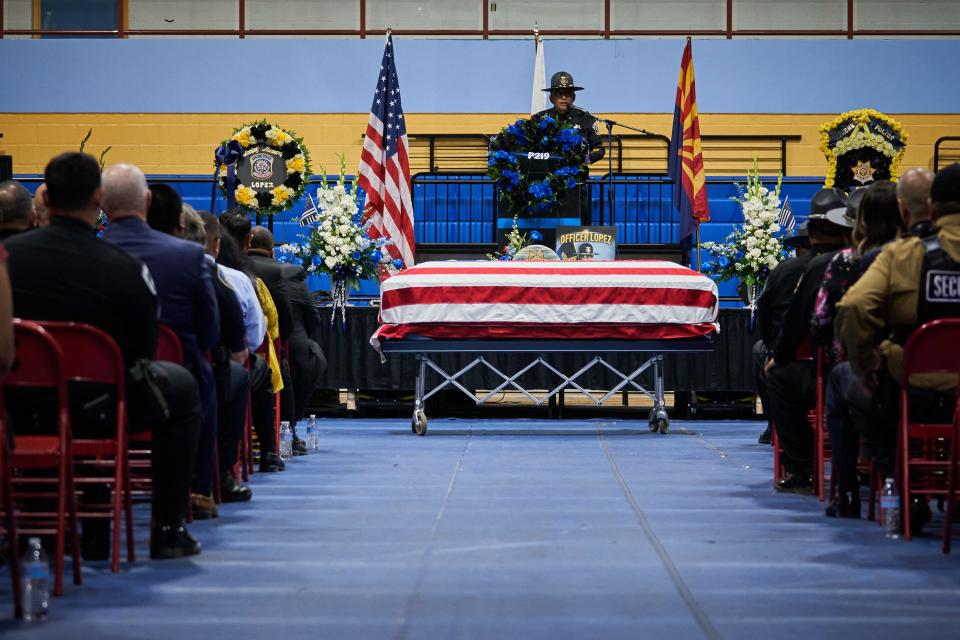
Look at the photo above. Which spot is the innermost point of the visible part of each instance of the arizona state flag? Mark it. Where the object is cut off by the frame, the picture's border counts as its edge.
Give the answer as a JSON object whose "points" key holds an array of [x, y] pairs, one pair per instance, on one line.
{"points": [[686, 156]]}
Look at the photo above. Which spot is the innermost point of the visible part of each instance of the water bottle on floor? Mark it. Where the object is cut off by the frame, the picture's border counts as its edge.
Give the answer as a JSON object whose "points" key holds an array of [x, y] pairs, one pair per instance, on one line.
{"points": [[313, 443], [286, 440], [890, 504], [34, 580]]}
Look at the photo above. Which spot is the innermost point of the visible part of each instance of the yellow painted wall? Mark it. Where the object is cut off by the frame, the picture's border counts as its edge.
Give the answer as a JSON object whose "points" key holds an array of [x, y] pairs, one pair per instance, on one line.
{"points": [[184, 143]]}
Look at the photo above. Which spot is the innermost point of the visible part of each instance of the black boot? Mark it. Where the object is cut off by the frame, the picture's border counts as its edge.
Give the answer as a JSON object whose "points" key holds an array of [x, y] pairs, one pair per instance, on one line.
{"points": [[172, 541], [795, 483], [230, 491], [845, 504], [270, 462]]}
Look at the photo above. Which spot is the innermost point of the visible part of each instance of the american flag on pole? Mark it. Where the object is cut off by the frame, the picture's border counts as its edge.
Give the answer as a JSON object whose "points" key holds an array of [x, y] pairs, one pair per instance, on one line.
{"points": [[385, 166]]}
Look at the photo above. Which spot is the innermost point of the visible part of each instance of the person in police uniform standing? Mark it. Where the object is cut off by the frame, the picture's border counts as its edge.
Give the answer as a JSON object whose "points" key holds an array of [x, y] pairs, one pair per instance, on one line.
{"points": [[563, 93]]}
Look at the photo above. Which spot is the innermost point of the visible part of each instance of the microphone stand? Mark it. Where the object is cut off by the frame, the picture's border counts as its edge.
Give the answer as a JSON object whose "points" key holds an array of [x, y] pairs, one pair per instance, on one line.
{"points": [[610, 124]]}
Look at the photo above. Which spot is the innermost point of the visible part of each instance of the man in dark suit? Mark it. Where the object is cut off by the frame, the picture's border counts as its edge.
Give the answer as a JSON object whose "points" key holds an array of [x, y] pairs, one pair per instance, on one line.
{"points": [[63, 272], [307, 362], [188, 304]]}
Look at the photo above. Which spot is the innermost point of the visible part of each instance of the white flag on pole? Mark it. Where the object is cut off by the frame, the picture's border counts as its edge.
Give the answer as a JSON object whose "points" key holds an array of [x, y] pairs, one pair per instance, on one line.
{"points": [[539, 100]]}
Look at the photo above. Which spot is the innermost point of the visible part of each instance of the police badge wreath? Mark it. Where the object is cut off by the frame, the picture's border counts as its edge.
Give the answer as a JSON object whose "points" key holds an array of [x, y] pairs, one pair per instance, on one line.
{"points": [[270, 171], [540, 138], [862, 147]]}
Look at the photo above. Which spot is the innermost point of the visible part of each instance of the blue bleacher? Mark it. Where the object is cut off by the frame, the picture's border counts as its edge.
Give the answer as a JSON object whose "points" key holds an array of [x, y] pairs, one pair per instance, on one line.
{"points": [[460, 209]]}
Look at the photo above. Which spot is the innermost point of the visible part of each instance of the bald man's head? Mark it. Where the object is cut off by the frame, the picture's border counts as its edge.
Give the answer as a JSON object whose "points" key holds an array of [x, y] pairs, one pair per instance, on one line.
{"points": [[16, 206], [261, 240], [913, 195], [125, 192]]}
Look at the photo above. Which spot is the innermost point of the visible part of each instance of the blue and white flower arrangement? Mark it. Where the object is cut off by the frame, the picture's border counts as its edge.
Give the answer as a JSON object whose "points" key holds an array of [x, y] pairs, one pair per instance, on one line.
{"points": [[338, 242]]}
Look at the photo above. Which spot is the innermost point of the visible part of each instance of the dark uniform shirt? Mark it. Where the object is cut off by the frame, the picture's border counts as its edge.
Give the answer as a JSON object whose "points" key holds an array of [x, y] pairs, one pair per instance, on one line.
{"points": [[63, 272], [778, 293], [586, 123], [799, 315]]}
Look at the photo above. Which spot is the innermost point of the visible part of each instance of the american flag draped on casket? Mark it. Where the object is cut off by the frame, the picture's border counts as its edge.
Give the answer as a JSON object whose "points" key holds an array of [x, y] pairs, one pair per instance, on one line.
{"points": [[622, 300]]}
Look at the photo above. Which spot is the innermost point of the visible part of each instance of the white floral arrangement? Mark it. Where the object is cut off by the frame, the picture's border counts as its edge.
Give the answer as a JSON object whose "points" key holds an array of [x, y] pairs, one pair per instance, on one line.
{"points": [[754, 248], [338, 242]]}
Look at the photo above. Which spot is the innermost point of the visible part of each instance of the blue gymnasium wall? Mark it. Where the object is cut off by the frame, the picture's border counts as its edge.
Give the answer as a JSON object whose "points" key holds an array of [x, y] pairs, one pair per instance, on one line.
{"points": [[472, 76]]}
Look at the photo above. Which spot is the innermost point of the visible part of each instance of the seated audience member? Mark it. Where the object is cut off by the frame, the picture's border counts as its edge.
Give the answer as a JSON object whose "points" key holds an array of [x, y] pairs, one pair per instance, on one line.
{"points": [[800, 241], [227, 358], [913, 195], [877, 223], [41, 214], [98, 283], [877, 315], [16, 209], [188, 304], [266, 378], [778, 293], [6, 316], [255, 325], [307, 362], [271, 273], [791, 382]]}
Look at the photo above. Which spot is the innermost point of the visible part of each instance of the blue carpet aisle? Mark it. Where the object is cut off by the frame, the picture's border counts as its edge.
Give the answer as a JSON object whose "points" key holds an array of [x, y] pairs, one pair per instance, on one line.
{"points": [[523, 529]]}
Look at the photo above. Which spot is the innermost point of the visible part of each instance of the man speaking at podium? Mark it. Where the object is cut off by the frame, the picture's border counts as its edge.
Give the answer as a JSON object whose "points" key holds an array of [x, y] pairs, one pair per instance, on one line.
{"points": [[563, 95]]}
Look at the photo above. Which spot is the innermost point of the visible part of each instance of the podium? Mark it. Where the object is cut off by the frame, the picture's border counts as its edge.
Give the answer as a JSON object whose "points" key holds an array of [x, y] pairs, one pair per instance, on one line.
{"points": [[571, 210]]}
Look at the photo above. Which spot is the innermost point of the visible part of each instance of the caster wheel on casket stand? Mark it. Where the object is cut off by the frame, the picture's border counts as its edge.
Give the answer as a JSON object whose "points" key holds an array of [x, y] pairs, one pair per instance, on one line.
{"points": [[659, 421], [419, 423]]}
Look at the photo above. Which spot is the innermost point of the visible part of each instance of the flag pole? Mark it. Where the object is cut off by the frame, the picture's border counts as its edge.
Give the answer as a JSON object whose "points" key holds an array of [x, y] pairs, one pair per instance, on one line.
{"points": [[698, 247]]}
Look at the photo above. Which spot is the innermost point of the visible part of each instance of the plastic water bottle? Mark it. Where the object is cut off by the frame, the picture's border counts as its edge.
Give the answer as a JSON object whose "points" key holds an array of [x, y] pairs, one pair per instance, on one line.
{"points": [[34, 580], [890, 503], [313, 442], [286, 440]]}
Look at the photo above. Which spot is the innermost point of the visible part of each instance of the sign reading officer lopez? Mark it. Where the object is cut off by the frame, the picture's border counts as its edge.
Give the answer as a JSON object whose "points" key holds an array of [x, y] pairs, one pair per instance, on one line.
{"points": [[262, 168]]}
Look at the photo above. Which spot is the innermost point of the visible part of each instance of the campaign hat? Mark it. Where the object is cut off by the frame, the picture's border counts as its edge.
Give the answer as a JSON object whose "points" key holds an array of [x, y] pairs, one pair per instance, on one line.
{"points": [[562, 80]]}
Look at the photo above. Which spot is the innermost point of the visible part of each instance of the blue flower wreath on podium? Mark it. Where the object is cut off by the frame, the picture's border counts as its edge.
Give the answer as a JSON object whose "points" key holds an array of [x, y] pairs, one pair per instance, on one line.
{"points": [[543, 136]]}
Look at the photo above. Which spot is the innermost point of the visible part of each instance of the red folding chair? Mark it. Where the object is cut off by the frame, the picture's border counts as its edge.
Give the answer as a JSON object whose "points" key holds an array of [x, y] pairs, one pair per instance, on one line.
{"points": [[821, 438], [39, 365], [168, 349], [779, 471], [243, 467], [264, 350], [9, 517], [952, 479], [91, 355], [924, 448]]}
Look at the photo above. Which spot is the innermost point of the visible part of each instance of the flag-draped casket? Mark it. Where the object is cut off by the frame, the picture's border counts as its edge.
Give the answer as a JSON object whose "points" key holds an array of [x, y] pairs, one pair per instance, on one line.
{"points": [[627, 300]]}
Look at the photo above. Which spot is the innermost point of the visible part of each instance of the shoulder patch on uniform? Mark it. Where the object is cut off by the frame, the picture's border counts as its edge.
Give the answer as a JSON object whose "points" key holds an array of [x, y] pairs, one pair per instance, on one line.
{"points": [[148, 279], [596, 127], [942, 286]]}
